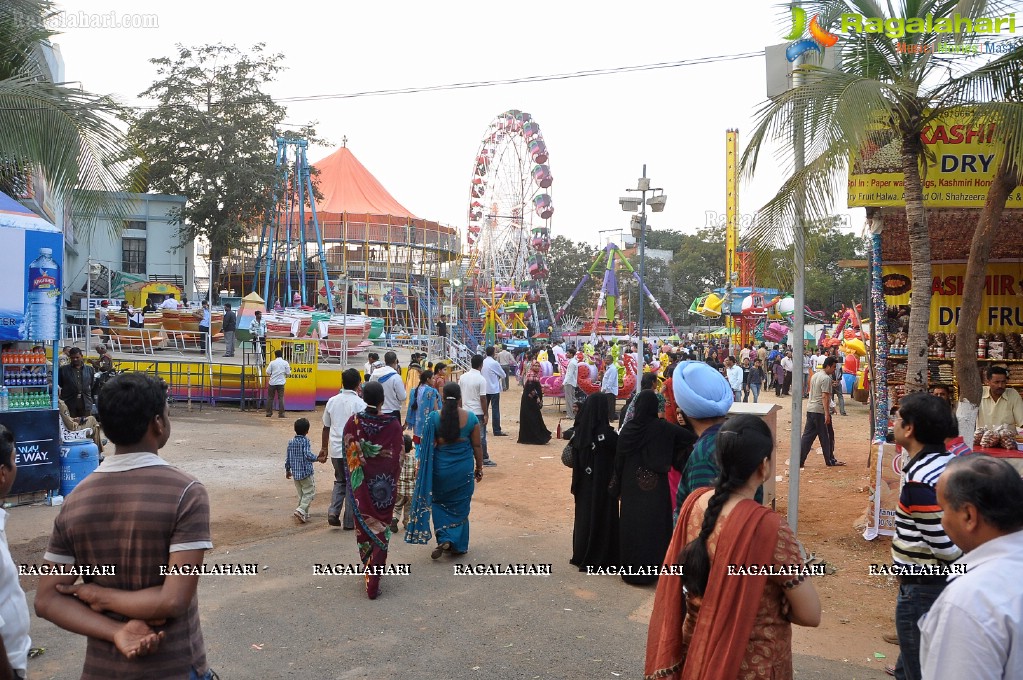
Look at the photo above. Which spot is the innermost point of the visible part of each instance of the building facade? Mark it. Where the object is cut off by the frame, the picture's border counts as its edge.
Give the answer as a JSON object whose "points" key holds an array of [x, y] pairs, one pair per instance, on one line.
{"points": [[141, 244]]}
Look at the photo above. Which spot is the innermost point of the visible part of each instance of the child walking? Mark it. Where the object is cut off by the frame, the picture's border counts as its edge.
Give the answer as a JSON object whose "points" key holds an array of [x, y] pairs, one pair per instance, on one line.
{"points": [[299, 466]]}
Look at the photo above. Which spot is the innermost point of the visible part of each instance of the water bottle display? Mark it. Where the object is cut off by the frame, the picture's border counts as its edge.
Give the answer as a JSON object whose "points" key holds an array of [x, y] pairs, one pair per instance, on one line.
{"points": [[43, 312], [4, 399]]}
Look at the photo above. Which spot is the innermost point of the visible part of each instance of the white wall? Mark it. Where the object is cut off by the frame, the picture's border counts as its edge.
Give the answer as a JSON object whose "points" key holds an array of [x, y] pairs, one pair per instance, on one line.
{"points": [[104, 245]]}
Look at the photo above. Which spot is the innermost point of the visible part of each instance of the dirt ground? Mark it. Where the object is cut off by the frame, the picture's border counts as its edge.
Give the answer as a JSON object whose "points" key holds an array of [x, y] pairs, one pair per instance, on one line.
{"points": [[526, 501]]}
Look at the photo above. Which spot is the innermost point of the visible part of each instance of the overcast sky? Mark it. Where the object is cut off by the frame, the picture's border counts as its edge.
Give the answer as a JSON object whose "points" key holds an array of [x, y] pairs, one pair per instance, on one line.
{"points": [[599, 130]]}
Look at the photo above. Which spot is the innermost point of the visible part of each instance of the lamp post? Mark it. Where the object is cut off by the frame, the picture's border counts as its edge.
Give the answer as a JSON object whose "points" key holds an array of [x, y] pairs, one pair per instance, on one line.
{"points": [[656, 202], [342, 281], [455, 283]]}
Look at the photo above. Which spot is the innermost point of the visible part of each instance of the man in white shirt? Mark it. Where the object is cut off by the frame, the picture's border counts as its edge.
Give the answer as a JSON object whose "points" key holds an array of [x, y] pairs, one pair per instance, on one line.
{"points": [[494, 375], [744, 354], [339, 410], [372, 361], [609, 383], [14, 617], [169, 303], [569, 383], [734, 374], [808, 358], [975, 628], [257, 327], [786, 364], [999, 404], [277, 373], [507, 361], [474, 398], [394, 387]]}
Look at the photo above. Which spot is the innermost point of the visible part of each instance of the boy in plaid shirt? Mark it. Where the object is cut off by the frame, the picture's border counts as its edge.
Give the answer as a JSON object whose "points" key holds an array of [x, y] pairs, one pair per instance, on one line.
{"points": [[299, 466]]}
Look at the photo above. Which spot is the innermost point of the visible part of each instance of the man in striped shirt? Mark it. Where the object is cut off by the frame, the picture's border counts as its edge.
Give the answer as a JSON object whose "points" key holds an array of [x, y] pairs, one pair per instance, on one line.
{"points": [[144, 518], [921, 549]]}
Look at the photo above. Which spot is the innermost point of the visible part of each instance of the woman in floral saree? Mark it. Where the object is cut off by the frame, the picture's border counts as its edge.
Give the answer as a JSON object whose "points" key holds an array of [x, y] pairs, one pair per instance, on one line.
{"points": [[450, 464], [374, 447]]}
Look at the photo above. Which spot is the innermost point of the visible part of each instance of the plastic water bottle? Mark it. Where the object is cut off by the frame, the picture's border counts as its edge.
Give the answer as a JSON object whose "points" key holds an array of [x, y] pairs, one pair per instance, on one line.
{"points": [[4, 399], [43, 296]]}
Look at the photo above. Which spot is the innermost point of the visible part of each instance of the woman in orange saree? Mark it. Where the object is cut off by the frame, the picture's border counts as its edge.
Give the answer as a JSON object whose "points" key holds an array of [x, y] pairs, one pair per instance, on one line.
{"points": [[732, 620]]}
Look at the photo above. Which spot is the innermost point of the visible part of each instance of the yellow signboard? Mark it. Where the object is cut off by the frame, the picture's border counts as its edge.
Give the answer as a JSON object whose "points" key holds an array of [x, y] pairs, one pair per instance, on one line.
{"points": [[1001, 308], [964, 159]]}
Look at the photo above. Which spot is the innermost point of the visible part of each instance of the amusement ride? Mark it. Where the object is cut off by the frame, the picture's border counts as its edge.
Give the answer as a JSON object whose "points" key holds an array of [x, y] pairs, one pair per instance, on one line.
{"points": [[508, 233]]}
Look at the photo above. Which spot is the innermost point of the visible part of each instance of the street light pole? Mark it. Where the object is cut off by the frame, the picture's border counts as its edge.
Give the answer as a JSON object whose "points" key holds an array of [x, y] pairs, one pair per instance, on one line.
{"points": [[343, 282], [642, 283], [630, 204]]}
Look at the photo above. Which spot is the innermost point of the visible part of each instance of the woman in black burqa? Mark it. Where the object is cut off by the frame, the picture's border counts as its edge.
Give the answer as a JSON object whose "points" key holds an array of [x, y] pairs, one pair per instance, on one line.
{"points": [[595, 534], [532, 429], [648, 447]]}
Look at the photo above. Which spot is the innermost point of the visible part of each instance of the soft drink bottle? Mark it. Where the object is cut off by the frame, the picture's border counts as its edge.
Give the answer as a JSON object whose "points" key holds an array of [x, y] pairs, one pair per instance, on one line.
{"points": [[43, 296]]}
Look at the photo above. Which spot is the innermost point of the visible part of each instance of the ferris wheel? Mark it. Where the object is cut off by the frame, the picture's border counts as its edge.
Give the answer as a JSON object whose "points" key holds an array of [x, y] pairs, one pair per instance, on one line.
{"points": [[510, 210]]}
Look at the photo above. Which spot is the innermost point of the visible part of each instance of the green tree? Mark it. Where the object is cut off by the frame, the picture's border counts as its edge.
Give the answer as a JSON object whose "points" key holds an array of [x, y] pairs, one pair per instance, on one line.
{"points": [[211, 138], [698, 266], [568, 261], [878, 96], [67, 135]]}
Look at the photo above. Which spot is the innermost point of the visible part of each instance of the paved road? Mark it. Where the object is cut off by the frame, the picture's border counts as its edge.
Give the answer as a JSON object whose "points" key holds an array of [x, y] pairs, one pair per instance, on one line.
{"points": [[431, 624]]}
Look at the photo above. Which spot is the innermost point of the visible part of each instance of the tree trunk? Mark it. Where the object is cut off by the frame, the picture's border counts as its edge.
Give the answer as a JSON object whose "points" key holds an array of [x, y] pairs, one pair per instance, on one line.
{"points": [[966, 369], [920, 254], [216, 258]]}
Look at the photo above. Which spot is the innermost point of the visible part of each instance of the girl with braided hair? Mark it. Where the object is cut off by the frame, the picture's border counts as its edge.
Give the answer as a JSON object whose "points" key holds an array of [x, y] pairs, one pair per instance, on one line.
{"points": [[726, 618]]}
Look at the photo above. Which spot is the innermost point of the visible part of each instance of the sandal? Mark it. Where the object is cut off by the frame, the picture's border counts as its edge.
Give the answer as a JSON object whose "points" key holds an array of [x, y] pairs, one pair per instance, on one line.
{"points": [[440, 550]]}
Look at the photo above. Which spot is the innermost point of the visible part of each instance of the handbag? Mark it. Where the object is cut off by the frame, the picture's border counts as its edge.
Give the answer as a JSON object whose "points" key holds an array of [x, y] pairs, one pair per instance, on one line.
{"points": [[568, 455]]}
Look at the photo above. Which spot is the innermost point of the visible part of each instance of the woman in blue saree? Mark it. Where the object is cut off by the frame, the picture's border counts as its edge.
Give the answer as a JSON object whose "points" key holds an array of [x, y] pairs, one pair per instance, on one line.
{"points": [[450, 464]]}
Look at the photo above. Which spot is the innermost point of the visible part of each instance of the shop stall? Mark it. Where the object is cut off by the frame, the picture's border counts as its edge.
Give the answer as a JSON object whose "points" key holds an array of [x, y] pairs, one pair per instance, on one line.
{"points": [[999, 331], [30, 311]]}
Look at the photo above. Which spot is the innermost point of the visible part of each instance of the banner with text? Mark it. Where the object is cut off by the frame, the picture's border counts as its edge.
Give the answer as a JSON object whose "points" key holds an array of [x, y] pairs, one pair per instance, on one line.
{"points": [[964, 160], [1001, 308]]}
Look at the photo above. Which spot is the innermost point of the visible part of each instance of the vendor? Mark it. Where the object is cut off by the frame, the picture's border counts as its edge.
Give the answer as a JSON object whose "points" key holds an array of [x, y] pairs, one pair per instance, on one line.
{"points": [[998, 405]]}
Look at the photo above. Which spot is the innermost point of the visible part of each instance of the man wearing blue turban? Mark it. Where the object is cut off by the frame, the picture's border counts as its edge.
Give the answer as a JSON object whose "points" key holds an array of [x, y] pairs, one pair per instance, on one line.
{"points": [[704, 396]]}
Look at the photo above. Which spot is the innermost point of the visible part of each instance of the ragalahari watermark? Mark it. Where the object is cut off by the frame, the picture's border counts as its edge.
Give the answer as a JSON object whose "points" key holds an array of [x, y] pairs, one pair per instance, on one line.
{"points": [[65, 20]]}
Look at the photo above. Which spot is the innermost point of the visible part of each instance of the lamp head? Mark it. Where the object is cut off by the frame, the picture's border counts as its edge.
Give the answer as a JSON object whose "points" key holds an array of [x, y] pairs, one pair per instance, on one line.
{"points": [[657, 202], [636, 226], [629, 203]]}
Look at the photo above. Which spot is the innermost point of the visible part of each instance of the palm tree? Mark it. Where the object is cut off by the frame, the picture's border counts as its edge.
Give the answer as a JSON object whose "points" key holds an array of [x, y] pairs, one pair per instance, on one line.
{"points": [[1005, 110], [878, 95], [67, 135]]}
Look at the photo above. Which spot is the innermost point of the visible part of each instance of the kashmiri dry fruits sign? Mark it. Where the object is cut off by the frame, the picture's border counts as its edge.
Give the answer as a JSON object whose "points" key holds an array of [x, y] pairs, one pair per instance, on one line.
{"points": [[1001, 308], [963, 157]]}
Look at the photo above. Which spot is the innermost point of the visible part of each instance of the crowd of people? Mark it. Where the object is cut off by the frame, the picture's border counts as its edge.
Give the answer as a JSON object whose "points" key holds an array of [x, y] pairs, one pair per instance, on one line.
{"points": [[668, 490]]}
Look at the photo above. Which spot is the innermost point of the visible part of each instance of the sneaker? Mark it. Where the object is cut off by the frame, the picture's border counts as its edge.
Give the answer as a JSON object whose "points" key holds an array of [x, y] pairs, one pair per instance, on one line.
{"points": [[302, 517], [500, 434], [836, 463], [489, 463], [333, 520], [269, 415], [394, 527]]}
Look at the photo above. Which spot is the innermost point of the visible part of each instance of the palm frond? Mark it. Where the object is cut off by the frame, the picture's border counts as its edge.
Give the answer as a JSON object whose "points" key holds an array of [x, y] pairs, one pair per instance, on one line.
{"points": [[68, 136]]}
